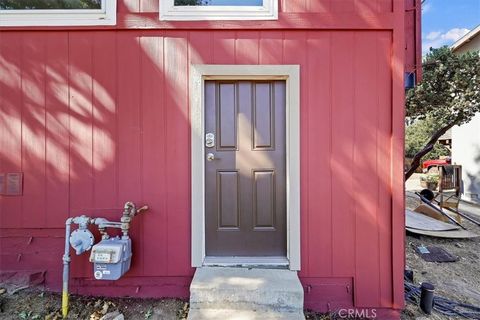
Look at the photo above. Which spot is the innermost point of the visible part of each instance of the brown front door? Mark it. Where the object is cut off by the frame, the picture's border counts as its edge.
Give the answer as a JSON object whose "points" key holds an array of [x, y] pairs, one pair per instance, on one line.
{"points": [[245, 168]]}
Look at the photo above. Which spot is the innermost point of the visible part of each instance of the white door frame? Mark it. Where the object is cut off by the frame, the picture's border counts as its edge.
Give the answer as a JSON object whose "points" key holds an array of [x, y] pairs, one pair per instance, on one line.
{"points": [[198, 75]]}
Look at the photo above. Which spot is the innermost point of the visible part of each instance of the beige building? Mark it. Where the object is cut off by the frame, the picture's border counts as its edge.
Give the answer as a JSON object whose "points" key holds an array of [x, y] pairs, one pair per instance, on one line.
{"points": [[466, 138], [469, 42]]}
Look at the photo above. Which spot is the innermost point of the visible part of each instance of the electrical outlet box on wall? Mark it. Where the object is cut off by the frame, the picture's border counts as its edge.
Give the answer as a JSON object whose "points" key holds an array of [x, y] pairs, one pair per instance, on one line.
{"points": [[11, 184]]}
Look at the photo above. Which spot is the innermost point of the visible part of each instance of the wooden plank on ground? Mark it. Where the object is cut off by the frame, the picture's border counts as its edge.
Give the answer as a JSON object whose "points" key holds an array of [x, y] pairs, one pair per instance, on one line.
{"points": [[452, 234], [420, 221]]}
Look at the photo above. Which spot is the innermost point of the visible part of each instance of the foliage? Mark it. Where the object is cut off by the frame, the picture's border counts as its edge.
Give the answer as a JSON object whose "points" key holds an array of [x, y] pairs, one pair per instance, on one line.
{"points": [[148, 314], [50, 4], [450, 88], [449, 94], [416, 136], [430, 178]]}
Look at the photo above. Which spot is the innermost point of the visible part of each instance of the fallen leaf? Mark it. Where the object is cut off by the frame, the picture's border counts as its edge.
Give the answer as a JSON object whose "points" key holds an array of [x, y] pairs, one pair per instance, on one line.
{"points": [[104, 308], [97, 304]]}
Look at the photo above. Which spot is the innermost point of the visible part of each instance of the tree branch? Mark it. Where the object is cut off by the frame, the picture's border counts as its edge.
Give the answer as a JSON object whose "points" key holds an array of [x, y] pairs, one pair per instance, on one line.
{"points": [[428, 147]]}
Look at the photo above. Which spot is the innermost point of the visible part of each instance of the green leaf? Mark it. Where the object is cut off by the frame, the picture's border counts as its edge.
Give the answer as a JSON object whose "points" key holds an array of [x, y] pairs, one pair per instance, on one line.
{"points": [[148, 314], [449, 90]]}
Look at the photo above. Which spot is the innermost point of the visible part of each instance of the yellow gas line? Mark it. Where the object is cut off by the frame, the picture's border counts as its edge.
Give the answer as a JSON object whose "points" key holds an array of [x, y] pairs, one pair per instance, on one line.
{"points": [[64, 304]]}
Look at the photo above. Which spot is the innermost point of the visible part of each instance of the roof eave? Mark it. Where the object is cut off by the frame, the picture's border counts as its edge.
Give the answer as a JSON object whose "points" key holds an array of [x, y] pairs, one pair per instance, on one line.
{"points": [[466, 38]]}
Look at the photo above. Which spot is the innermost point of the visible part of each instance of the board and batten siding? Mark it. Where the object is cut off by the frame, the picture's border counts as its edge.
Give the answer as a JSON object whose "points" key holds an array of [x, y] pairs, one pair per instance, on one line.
{"points": [[97, 118]]}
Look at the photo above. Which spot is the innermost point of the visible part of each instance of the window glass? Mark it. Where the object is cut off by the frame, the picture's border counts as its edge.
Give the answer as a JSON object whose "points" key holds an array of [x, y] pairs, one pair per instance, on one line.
{"points": [[49, 4], [218, 3]]}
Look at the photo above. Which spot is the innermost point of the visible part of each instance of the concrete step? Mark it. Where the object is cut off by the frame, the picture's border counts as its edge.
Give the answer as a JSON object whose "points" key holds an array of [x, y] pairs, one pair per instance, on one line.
{"points": [[232, 314], [248, 292]]}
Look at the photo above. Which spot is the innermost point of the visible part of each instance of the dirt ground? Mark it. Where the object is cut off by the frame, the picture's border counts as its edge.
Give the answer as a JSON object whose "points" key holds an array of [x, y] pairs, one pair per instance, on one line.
{"points": [[458, 281], [35, 304]]}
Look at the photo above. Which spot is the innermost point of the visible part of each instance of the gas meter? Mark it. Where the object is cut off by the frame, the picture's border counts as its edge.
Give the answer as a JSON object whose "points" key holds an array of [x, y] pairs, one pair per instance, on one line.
{"points": [[111, 258]]}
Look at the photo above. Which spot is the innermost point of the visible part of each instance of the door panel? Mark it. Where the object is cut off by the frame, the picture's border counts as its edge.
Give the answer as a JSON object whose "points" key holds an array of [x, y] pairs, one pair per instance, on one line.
{"points": [[227, 200], [264, 199], [264, 120], [245, 204], [226, 126]]}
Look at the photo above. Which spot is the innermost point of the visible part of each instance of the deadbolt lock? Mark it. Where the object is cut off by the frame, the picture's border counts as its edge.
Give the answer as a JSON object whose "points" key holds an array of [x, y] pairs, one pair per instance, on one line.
{"points": [[210, 140]]}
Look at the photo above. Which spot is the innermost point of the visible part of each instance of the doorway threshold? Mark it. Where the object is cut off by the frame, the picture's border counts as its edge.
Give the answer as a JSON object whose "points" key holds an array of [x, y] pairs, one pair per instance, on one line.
{"points": [[246, 262]]}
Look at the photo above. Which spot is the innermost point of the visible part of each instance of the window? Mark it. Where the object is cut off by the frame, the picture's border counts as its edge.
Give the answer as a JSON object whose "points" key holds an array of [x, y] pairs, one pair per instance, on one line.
{"points": [[57, 12], [218, 9]]}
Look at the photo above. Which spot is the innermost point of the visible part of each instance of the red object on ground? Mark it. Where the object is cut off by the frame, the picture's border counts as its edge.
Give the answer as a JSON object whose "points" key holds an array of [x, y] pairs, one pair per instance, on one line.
{"points": [[427, 164]]}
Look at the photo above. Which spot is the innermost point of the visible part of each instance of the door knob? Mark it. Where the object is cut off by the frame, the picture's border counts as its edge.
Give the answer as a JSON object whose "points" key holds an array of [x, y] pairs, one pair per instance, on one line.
{"points": [[210, 156]]}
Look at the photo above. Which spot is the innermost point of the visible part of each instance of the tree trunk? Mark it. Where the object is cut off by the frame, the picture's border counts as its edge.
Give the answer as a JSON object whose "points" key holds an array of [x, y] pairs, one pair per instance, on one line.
{"points": [[428, 147]]}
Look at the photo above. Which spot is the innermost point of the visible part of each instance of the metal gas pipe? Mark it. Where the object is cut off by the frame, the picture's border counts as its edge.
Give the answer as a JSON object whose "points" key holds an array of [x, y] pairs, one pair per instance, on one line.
{"points": [[111, 256], [66, 268]]}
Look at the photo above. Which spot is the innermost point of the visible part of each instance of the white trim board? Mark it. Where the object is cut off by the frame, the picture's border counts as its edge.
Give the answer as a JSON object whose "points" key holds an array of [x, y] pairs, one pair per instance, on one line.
{"points": [[291, 75]]}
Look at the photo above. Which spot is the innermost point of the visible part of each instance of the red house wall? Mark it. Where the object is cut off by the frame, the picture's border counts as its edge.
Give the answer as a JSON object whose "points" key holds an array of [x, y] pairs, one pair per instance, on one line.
{"points": [[94, 118], [413, 38]]}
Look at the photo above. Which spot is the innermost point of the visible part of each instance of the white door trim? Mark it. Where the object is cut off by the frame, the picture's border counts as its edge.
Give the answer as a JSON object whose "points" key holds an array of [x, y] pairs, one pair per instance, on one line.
{"points": [[198, 75]]}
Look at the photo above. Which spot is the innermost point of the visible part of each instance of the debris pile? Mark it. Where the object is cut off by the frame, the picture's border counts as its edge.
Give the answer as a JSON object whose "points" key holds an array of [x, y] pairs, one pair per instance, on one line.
{"points": [[442, 245]]}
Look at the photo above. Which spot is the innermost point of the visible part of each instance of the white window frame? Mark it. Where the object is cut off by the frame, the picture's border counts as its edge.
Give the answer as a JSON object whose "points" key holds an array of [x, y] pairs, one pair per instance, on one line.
{"points": [[105, 16], [170, 12]]}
